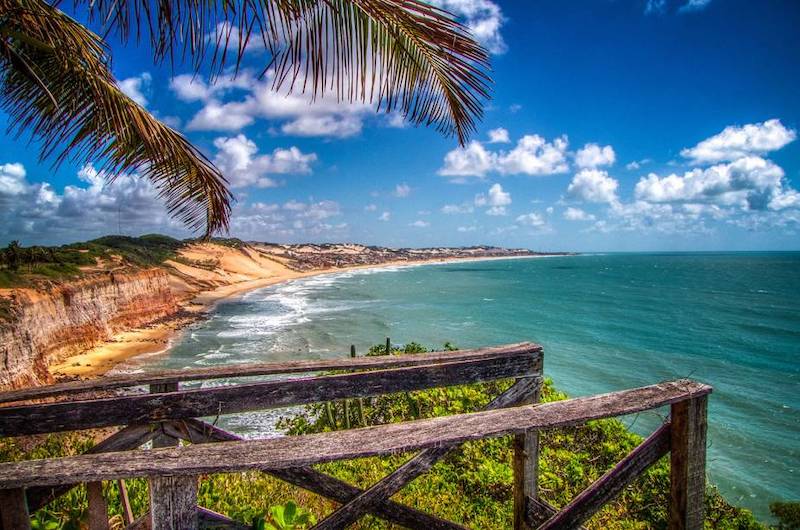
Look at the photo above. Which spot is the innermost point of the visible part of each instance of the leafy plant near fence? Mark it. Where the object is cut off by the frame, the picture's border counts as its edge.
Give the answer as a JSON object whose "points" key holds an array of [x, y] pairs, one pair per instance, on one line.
{"points": [[472, 485]]}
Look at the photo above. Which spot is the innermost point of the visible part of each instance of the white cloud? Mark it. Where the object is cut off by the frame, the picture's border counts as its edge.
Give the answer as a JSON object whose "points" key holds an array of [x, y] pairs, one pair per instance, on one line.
{"points": [[136, 87], [749, 183], [592, 156], [497, 200], [499, 136], [292, 221], [419, 223], [385, 216], [483, 18], [465, 229], [35, 213], [532, 219], [636, 164], [238, 159], [12, 180], [402, 190], [533, 155], [593, 185], [576, 214], [329, 126], [472, 160], [741, 141], [370, 207], [452, 209], [300, 113]]}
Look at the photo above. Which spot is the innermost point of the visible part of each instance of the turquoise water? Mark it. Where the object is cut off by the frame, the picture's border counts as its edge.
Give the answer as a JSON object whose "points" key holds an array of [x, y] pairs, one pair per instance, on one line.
{"points": [[607, 322]]}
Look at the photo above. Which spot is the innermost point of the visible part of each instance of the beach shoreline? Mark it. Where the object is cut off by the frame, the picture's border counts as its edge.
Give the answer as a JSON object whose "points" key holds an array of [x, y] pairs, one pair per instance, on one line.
{"points": [[159, 337]]}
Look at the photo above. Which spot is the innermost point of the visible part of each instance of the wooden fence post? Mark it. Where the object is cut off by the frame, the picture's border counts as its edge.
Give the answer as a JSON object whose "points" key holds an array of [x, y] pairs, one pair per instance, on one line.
{"points": [[14, 510], [98, 509], [688, 464], [526, 468], [173, 500]]}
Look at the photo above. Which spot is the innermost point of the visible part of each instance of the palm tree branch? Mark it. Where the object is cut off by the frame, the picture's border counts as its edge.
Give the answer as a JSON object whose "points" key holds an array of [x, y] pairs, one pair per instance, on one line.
{"points": [[403, 55], [67, 97]]}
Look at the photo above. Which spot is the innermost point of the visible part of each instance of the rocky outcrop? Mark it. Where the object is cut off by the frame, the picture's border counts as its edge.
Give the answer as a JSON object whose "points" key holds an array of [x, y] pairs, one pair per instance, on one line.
{"points": [[50, 326]]}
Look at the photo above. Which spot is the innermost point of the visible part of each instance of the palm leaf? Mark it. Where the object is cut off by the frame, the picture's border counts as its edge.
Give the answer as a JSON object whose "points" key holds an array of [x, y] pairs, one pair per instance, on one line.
{"points": [[404, 55], [55, 82]]}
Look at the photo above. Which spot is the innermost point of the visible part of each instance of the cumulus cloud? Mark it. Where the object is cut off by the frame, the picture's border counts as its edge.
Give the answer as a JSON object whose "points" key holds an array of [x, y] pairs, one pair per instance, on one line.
{"points": [[385, 216], [473, 160], [238, 159], [483, 18], [464, 229], [136, 87], [37, 214], [300, 114], [402, 190], [499, 136], [592, 156], [533, 155], [370, 207], [533, 220], [637, 164], [593, 185], [576, 214], [748, 183], [741, 141], [419, 223], [496, 199]]}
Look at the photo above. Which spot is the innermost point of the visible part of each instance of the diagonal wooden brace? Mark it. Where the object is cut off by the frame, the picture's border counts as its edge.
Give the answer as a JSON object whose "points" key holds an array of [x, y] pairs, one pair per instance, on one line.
{"points": [[349, 513], [308, 478], [125, 439]]}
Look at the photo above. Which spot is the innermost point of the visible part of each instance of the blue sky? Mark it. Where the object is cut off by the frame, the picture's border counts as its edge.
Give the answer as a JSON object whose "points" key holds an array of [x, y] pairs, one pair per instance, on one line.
{"points": [[614, 125]]}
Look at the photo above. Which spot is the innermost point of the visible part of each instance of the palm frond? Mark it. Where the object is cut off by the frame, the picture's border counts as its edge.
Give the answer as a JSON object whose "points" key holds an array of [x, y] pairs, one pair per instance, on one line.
{"points": [[404, 55], [55, 83]]}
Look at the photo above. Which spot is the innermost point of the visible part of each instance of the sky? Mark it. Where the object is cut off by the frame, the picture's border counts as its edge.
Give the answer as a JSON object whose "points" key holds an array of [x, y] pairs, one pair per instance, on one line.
{"points": [[614, 125]]}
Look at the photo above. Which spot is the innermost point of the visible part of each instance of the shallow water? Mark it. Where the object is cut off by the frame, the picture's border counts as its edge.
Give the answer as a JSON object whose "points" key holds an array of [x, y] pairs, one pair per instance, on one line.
{"points": [[607, 322]]}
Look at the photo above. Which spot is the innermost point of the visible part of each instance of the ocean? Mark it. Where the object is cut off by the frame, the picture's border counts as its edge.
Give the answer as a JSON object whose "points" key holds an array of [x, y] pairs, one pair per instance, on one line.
{"points": [[606, 321]]}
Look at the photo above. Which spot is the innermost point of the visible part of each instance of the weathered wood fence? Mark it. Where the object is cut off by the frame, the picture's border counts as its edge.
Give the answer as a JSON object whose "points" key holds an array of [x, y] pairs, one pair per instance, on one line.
{"points": [[169, 414]]}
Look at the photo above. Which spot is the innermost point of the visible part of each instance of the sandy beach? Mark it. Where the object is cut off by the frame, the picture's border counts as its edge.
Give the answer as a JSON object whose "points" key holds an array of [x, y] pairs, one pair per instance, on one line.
{"points": [[244, 278]]}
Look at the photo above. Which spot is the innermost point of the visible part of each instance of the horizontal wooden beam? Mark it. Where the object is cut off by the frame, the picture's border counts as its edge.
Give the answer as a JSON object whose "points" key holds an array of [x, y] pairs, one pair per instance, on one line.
{"points": [[125, 439], [77, 415], [257, 369], [298, 451], [611, 484], [315, 481]]}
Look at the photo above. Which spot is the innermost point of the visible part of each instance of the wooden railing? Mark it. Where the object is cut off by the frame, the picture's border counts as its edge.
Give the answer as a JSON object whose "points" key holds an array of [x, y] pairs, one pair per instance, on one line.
{"points": [[168, 414]]}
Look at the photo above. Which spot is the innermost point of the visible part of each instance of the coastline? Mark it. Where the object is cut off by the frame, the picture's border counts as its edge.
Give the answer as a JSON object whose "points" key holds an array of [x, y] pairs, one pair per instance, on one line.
{"points": [[159, 336]]}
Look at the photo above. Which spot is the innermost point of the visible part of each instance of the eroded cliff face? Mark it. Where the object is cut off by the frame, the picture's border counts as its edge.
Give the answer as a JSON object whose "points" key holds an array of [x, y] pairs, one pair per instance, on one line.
{"points": [[50, 326]]}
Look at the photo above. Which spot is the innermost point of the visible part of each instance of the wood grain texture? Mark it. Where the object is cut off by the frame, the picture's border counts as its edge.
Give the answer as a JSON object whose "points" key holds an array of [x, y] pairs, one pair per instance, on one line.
{"points": [[540, 511], [14, 510], [298, 451], [206, 520], [76, 415], [173, 503], [611, 484], [688, 464], [98, 509], [317, 482], [386, 487], [125, 439], [526, 466], [246, 370]]}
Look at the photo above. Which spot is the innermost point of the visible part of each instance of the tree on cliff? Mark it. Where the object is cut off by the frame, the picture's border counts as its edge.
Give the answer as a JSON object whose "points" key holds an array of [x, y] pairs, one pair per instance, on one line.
{"points": [[56, 81]]}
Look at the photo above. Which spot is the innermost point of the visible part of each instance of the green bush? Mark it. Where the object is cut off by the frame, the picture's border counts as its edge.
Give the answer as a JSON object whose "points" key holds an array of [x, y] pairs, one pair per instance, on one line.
{"points": [[787, 513]]}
